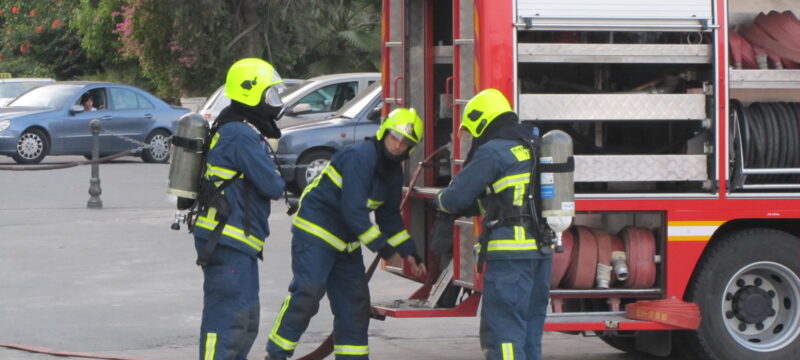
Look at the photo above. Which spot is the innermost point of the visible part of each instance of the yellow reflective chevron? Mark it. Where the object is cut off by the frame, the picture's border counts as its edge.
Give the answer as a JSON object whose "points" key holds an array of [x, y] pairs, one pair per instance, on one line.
{"points": [[211, 346], [285, 344], [351, 350], [399, 238], [520, 242], [373, 204], [208, 222], [368, 236], [508, 351], [325, 235]]}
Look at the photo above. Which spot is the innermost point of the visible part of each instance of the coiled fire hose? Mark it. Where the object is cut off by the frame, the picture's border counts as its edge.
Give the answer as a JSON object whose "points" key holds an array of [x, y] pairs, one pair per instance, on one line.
{"points": [[326, 347]]}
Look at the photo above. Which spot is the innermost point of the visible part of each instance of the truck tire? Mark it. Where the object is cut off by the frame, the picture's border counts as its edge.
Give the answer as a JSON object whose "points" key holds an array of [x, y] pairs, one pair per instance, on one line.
{"points": [[748, 290], [310, 166]]}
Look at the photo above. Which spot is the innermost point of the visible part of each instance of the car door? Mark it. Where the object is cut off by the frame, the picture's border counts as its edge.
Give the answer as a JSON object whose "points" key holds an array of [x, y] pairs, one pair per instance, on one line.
{"points": [[133, 117], [368, 121], [74, 130]]}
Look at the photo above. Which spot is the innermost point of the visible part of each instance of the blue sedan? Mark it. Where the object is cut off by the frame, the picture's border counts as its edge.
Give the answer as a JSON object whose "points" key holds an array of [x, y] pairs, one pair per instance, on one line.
{"points": [[54, 119], [304, 150]]}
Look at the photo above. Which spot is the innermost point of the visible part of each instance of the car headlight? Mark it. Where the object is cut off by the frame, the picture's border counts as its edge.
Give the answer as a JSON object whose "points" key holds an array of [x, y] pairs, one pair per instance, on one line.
{"points": [[4, 124]]}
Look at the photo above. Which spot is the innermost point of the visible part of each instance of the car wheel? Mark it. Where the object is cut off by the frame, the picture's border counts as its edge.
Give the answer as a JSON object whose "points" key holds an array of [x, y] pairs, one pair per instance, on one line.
{"points": [[748, 290], [32, 147], [310, 166], [158, 150]]}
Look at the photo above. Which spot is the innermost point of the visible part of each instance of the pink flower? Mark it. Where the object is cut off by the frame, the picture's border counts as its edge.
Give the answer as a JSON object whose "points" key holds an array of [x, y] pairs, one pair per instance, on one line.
{"points": [[55, 23], [32, 13], [39, 29], [15, 10]]}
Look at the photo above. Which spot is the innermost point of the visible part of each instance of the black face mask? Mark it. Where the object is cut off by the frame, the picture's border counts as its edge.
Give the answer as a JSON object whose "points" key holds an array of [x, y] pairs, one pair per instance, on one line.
{"points": [[262, 116]]}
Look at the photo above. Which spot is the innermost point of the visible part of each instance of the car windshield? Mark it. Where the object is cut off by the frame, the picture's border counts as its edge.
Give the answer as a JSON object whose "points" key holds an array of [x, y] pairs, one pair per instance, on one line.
{"points": [[287, 96], [53, 96], [14, 89], [355, 106]]}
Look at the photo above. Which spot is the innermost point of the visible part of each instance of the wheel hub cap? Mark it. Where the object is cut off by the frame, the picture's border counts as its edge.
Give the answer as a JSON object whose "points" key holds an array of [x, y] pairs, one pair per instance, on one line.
{"points": [[752, 305]]}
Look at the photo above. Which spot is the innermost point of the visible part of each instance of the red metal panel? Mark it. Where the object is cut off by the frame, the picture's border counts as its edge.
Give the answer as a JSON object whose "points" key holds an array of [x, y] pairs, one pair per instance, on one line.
{"points": [[385, 63], [494, 46]]}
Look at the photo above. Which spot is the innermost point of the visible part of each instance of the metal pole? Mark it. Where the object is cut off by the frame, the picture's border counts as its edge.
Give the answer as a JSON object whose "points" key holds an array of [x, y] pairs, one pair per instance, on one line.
{"points": [[94, 182]]}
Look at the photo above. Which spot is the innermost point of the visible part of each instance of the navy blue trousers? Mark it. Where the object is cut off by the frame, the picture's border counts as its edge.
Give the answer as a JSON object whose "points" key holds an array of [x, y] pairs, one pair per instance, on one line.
{"points": [[318, 268], [230, 304], [515, 296]]}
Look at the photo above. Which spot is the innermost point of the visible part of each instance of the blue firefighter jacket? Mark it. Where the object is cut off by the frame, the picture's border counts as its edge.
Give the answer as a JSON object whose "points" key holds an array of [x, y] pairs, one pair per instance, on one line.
{"points": [[236, 147], [499, 168], [336, 206]]}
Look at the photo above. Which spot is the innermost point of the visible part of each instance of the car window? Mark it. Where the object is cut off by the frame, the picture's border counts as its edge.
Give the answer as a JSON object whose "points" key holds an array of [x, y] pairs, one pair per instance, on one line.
{"points": [[331, 97], [54, 96], [355, 106], [124, 99]]}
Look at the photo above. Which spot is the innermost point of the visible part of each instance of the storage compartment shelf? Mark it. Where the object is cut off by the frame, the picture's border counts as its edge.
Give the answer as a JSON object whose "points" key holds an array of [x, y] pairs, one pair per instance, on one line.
{"points": [[615, 53], [765, 79], [612, 107]]}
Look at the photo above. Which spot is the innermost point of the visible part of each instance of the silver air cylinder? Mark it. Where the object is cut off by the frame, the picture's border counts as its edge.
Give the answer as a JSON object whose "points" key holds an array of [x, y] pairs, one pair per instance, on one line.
{"points": [[187, 158], [557, 188]]}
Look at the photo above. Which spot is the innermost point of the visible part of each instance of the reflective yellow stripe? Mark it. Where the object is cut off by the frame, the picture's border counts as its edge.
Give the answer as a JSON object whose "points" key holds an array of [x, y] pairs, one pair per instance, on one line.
{"points": [[319, 232], [219, 171], [519, 194], [353, 246], [519, 233], [211, 346], [373, 204], [399, 238], [214, 141], [505, 245], [230, 231], [511, 180], [333, 175], [277, 339], [351, 349], [508, 351], [441, 207], [369, 235]]}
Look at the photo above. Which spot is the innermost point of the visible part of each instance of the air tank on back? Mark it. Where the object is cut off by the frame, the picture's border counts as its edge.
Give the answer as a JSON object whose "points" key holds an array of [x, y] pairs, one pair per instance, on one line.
{"points": [[557, 189], [187, 159]]}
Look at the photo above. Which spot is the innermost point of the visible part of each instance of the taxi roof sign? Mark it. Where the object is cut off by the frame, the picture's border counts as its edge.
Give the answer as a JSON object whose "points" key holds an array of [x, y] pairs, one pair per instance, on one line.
{"points": [[5, 75]]}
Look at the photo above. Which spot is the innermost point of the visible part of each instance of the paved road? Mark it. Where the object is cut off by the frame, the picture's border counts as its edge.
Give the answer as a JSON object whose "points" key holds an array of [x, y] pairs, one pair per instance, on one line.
{"points": [[118, 281]]}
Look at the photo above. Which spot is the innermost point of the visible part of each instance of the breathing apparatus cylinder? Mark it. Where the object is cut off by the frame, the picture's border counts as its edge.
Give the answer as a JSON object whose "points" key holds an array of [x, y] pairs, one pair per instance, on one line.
{"points": [[557, 189], [187, 159]]}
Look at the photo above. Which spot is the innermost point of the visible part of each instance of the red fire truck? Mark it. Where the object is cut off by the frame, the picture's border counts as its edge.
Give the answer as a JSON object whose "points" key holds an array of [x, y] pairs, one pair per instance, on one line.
{"points": [[687, 159]]}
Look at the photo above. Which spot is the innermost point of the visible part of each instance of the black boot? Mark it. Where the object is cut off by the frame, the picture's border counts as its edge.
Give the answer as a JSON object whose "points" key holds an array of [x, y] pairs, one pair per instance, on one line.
{"points": [[273, 357]]}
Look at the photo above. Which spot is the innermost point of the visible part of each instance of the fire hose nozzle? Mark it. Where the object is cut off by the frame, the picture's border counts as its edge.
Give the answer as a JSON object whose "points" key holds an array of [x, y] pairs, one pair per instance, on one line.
{"points": [[176, 222], [618, 262]]}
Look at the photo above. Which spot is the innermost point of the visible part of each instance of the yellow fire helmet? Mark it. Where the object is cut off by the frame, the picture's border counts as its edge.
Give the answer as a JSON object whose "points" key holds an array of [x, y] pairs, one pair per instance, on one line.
{"points": [[403, 122], [248, 79], [482, 109]]}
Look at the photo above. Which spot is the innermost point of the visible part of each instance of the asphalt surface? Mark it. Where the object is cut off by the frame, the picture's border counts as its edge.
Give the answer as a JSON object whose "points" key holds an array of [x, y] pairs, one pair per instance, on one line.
{"points": [[117, 281]]}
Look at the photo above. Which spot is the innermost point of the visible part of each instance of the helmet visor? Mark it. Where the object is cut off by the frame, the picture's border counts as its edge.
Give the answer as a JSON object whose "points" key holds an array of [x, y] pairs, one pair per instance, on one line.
{"points": [[272, 97], [401, 138]]}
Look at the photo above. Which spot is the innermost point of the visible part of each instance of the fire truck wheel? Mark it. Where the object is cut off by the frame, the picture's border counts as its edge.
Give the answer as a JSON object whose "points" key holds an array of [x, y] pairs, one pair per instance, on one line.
{"points": [[748, 290]]}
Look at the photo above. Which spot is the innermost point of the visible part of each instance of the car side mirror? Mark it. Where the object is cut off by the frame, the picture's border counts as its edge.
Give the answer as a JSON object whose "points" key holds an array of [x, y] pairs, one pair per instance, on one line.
{"points": [[74, 109], [299, 109], [375, 114]]}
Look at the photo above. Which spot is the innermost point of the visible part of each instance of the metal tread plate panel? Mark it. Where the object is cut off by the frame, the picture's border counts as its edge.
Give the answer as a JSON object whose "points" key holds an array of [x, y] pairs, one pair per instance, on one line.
{"points": [[647, 168], [612, 107], [615, 53], [765, 79]]}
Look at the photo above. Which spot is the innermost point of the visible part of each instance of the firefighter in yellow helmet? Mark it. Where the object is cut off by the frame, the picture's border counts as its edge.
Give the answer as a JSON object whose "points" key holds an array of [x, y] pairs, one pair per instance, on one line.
{"points": [[517, 279], [234, 203], [331, 226]]}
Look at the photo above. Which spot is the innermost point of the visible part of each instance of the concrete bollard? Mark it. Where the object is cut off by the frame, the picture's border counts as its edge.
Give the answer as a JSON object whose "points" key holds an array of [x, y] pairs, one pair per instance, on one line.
{"points": [[94, 183]]}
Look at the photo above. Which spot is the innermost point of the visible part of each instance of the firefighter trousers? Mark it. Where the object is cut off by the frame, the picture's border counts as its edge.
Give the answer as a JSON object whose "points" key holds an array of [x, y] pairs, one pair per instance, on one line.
{"points": [[318, 268], [230, 304], [515, 296]]}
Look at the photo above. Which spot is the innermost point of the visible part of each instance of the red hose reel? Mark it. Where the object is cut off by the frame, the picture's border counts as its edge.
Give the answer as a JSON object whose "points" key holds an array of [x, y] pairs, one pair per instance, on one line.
{"points": [[590, 254]]}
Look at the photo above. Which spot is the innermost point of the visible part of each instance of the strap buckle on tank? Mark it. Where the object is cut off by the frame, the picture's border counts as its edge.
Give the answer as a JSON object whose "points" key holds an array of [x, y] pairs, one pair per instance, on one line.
{"points": [[194, 145]]}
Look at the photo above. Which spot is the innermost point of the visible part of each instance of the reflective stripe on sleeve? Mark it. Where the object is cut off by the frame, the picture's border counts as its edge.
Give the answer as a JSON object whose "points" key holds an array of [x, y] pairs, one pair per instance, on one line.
{"points": [[333, 175], [399, 238], [508, 351], [211, 346], [368, 236]]}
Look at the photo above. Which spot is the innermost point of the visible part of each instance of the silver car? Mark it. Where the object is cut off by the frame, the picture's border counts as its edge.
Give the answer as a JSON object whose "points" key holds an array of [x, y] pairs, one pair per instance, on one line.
{"points": [[306, 101], [12, 87]]}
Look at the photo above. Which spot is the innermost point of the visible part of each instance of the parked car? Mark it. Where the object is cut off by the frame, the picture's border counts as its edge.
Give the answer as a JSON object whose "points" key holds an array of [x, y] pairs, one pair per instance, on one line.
{"points": [[304, 150], [218, 101], [50, 120], [307, 101], [12, 87]]}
